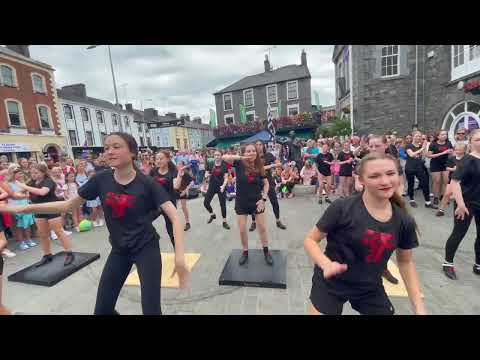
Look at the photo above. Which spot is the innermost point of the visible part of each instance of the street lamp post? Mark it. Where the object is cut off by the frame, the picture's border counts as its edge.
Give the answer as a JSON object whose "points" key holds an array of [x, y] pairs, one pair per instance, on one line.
{"points": [[111, 68]]}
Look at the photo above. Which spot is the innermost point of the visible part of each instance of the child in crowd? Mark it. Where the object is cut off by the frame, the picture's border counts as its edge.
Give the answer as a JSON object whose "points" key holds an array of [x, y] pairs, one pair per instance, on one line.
{"points": [[94, 206], [71, 192], [230, 188], [59, 178]]}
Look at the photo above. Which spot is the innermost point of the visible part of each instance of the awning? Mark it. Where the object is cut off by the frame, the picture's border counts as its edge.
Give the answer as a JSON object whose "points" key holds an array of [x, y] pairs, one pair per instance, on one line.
{"points": [[263, 136]]}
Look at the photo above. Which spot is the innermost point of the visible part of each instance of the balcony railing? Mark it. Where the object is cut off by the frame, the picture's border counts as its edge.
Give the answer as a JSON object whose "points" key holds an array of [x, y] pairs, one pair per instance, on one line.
{"points": [[283, 123]]}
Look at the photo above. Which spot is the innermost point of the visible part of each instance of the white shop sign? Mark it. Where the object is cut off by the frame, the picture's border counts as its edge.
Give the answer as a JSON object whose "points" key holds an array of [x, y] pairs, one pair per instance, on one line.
{"points": [[14, 148]]}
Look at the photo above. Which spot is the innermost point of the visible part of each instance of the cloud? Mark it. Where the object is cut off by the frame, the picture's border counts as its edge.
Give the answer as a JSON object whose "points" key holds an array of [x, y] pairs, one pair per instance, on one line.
{"points": [[178, 78]]}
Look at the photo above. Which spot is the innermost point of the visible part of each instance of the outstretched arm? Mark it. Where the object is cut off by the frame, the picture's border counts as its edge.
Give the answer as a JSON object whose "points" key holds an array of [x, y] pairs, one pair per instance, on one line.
{"points": [[45, 208]]}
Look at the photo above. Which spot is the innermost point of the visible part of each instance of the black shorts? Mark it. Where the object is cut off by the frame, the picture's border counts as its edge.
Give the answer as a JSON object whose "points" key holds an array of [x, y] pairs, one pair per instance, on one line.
{"points": [[328, 303], [1, 265], [47, 216], [437, 168], [325, 172], [347, 173], [243, 207]]}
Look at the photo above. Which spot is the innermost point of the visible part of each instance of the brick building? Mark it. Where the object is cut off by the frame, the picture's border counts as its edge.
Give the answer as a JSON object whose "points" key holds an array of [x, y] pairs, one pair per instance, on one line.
{"points": [[401, 87], [29, 120]]}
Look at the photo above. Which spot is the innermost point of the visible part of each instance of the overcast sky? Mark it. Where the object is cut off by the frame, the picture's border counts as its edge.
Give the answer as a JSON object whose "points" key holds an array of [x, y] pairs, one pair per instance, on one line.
{"points": [[178, 78]]}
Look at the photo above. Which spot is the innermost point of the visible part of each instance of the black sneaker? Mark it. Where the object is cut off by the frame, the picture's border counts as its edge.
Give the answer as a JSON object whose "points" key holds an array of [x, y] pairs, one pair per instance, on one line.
{"points": [[440, 212], [280, 225], [320, 201], [187, 227], [268, 258], [212, 217], [413, 204], [476, 269], [69, 259], [253, 227], [243, 259], [389, 277], [45, 260], [449, 271], [327, 200], [226, 226]]}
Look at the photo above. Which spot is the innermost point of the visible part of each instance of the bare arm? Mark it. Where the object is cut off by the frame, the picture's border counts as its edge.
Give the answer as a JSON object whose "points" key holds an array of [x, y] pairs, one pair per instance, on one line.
{"points": [[53, 207], [33, 190], [266, 186], [407, 269], [231, 158], [178, 180]]}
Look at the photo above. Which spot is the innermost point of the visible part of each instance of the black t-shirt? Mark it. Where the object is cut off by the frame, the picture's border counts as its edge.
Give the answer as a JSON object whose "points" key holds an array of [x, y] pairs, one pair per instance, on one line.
{"points": [[268, 159], [217, 174], [322, 166], [392, 150], [468, 173], [249, 184], [48, 183], [186, 180], [344, 156], [355, 238], [413, 164], [166, 180], [452, 162], [127, 208], [436, 148], [99, 168]]}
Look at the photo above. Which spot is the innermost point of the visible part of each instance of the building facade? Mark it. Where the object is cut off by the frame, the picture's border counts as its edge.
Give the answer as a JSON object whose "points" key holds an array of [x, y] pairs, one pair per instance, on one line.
{"points": [[287, 90], [402, 87], [167, 130], [328, 112], [89, 120], [199, 135], [29, 112]]}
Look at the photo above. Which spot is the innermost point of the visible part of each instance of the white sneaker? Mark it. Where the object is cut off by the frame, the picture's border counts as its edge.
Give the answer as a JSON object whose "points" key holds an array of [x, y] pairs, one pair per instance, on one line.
{"points": [[53, 236], [96, 223], [8, 254], [67, 232]]}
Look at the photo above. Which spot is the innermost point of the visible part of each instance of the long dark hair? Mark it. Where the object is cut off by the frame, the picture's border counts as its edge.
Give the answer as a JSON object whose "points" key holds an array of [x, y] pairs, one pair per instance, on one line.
{"points": [[171, 166], [396, 197], [258, 163]]}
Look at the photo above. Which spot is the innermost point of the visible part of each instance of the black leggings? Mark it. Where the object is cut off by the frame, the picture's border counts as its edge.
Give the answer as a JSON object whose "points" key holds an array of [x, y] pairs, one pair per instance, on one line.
{"points": [[221, 197], [422, 177], [272, 196], [460, 228], [149, 266]]}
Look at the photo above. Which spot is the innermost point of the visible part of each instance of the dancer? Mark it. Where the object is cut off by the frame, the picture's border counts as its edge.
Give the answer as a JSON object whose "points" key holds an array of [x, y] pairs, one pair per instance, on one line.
{"points": [[452, 163], [252, 189], [324, 162], [42, 190], [415, 168], [465, 187], [217, 175], [438, 152], [362, 231], [184, 182], [128, 197], [165, 173], [269, 164], [345, 158]]}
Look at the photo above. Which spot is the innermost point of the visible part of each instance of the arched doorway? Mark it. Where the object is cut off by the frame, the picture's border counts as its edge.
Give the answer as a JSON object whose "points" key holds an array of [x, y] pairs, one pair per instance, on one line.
{"points": [[53, 151], [465, 115]]}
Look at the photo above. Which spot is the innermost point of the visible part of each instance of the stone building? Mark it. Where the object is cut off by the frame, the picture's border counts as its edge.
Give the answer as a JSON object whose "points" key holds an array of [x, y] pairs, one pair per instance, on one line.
{"points": [[402, 87]]}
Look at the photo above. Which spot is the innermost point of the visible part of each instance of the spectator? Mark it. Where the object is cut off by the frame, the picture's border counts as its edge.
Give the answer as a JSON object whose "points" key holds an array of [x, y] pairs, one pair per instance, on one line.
{"points": [[71, 192], [308, 174], [94, 206], [288, 181]]}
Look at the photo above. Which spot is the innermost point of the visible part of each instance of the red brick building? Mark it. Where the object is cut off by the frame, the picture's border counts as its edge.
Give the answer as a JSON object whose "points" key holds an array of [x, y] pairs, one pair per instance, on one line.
{"points": [[29, 121]]}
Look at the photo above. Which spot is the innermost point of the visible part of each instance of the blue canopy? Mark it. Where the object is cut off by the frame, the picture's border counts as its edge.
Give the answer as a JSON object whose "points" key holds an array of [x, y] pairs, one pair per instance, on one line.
{"points": [[263, 135]]}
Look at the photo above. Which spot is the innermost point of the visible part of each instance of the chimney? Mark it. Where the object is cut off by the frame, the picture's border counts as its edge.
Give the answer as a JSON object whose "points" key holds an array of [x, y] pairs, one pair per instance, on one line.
{"points": [[76, 89], [171, 115], [304, 58], [149, 113], [120, 106], [155, 113], [266, 64], [21, 49], [129, 107]]}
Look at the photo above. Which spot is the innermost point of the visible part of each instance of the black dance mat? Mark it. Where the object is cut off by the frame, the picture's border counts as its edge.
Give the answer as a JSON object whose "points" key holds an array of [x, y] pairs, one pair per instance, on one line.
{"points": [[55, 271], [256, 272]]}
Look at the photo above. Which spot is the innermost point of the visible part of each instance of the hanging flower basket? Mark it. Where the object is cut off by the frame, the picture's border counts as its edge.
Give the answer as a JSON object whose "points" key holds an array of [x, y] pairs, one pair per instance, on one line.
{"points": [[346, 110], [472, 86]]}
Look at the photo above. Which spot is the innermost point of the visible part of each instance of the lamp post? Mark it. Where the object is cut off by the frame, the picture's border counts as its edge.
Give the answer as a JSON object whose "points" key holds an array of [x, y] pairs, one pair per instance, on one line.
{"points": [[111, 68]]}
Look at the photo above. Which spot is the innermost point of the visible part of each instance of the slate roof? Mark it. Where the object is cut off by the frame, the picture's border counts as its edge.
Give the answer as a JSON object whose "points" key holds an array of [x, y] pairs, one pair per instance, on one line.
{"points": [[7, 51], [90, 101], [285, 73]]}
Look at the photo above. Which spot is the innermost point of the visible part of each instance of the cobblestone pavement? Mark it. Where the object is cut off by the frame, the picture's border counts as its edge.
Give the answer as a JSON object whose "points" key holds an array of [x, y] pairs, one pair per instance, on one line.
{"points": [[76, 294]]}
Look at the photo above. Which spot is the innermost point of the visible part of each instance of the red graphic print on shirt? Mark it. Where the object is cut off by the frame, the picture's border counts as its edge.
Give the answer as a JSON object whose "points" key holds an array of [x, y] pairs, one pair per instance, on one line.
{"points": [[377, 243], [216, 171], [161, 180], [119, 203], [251, 176]]}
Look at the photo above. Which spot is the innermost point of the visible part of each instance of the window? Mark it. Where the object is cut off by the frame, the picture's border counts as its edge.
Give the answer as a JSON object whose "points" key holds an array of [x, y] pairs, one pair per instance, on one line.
{"points": [[250, 115], [7, 76], [272, 94], [465, 60], [103, 136], [43, 114], [227, 102], [178, 143], [229, 119], [84, 113], [99, 117], [292, 90], [293, 110], [248, 97], [158, 139], [73, 137], [115, 119], [68, 111], [14, 113], [185, 144], [38, 82], [89, 138], [390, 60], [127, 123], [140, 130], [142, 142]]}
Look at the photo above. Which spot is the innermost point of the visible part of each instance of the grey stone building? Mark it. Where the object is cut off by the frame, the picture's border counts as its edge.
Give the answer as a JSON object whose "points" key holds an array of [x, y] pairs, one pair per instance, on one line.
{"points": [[401, 87], [289, 86]]}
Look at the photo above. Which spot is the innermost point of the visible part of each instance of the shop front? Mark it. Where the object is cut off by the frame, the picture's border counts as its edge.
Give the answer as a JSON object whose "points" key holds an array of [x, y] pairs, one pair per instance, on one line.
{"points": [[38, 147]]}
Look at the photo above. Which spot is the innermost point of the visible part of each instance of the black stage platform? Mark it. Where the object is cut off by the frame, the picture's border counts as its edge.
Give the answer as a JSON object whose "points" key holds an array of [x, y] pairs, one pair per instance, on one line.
{"points": [[55, 271], [256, 272]]}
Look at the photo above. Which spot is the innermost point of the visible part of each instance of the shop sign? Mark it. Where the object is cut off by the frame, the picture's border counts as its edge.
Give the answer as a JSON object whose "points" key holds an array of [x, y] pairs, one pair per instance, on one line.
{"points": [[7, 148]]}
